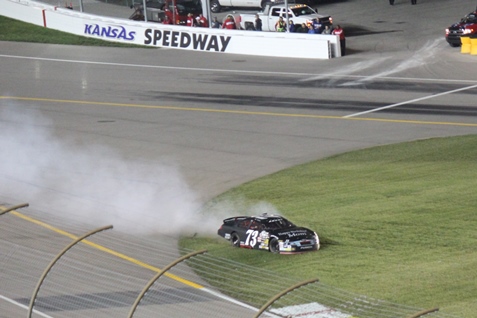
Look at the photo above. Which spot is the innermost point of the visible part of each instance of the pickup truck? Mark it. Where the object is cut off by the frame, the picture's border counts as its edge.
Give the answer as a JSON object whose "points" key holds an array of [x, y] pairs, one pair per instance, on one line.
{"points": [[299, 13]]}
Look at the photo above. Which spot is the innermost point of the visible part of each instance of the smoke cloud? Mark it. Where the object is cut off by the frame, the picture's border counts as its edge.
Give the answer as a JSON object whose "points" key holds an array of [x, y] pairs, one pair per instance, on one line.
{"points": [[93, 184]]}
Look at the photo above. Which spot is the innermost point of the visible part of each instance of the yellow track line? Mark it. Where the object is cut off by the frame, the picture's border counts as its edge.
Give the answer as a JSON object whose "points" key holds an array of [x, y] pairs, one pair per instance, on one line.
{"points": [[106, 250], [240, 112]]}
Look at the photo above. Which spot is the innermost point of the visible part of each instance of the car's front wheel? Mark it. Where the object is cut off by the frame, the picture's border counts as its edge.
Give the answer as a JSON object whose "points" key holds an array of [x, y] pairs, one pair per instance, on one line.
{"points": [[235, 240], [215, 6], [273, 246]]}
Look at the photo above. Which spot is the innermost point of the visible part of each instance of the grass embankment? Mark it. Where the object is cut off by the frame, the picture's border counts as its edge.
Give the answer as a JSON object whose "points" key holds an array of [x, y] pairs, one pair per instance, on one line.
{"points": [[17, 31], [396, 222]]}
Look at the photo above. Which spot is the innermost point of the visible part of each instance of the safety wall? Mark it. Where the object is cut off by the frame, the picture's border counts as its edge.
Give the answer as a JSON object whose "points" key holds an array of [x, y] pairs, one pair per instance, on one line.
{"points": [[296, 45]]}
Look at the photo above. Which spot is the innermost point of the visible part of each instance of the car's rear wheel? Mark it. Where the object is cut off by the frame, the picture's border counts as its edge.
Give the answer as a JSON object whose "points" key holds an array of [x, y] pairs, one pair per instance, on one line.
{"points": [[235, 240], [273, 246]]}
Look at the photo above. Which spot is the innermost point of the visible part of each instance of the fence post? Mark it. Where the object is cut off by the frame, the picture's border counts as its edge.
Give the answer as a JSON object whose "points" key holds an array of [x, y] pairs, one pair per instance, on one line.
{"points": [[286, 291], [157, 276], [19, 206], [53, 262]]}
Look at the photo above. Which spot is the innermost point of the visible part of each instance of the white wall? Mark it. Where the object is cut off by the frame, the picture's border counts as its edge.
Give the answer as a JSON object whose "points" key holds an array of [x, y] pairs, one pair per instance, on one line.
{"points": [[310, 46]]}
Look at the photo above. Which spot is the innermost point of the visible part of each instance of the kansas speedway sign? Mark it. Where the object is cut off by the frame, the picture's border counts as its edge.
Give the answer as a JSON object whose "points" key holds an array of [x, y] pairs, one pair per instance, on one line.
{"points": [[186, 40]]}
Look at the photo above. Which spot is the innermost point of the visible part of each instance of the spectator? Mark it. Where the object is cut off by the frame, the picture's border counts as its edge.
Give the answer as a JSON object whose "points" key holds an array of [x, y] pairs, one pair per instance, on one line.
{"points": [[316, 25], [167, 20], [190, 20], [258, 23], [280, 26], [215, 23], [311, 29], [339, 31], [203, 22], [302, 28], [327, 30], [229, 23], [292, 27], [167, 11]]}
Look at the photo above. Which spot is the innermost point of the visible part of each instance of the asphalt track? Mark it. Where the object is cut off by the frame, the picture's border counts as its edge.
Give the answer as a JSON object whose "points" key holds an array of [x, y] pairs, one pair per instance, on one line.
{"points": [[223, 120]]}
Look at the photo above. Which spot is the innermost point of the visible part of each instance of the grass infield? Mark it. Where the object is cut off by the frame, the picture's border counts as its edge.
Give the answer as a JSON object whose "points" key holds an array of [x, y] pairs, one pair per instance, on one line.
{"points": [[396, 222], [18, 31]]}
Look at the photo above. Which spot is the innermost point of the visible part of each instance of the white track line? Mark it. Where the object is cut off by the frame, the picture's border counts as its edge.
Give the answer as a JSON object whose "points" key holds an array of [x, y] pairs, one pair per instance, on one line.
{"points": [[260, 72], [410, 101], [23, 306]]}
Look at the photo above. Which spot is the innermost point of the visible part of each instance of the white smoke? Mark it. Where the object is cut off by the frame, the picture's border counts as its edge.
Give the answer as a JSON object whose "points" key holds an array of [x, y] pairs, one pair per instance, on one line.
{"points": [[240, 207], [91, 183]]}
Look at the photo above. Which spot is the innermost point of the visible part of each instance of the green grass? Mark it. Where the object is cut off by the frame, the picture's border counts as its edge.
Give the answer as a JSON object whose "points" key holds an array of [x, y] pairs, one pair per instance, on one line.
{"points": [[396, 222], [17, 31]]}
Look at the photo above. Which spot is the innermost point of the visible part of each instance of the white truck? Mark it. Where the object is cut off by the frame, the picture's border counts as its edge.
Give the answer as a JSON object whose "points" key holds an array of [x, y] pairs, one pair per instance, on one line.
{"points": [[299, 13], [217, 5]]}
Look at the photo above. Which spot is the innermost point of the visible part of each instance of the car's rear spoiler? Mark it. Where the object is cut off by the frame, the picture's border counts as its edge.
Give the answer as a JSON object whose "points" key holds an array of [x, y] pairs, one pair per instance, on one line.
{"points": [[236, 218]]}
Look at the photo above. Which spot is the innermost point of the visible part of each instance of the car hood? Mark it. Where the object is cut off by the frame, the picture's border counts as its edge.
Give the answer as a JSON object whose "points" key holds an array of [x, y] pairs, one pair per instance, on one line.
{"points": [[296, 233]]}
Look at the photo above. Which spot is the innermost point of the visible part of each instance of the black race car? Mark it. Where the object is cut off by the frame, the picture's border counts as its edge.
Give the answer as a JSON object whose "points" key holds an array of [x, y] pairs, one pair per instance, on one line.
{"points": [[268, 232]]}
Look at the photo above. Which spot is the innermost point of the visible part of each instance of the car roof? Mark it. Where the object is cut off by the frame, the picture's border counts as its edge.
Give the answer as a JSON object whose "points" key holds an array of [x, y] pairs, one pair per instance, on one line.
{"points": [[263, 216]]}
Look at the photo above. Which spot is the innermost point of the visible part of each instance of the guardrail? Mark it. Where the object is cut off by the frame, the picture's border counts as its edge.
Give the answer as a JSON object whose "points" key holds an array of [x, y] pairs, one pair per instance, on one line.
{"points": [[273, 44]]}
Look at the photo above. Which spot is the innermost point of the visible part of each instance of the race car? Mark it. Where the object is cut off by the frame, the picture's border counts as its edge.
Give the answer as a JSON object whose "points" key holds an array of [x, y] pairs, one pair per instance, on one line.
{"points": [[272, 233]]}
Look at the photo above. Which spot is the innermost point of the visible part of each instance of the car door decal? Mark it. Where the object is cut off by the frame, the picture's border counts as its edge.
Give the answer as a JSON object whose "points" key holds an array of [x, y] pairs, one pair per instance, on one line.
{"points": [[251, 238]]}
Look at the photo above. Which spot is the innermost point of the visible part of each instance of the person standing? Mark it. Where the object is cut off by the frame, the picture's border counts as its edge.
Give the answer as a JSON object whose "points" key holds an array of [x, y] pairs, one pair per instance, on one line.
{"points": [[168, 12], [203, 22], [190, 20], [280, 26], [327, 30], [413, 2], [339, 31], [391, 2], [302, 28], [229, 23], [215, 23], [292, 27], [258, 23], [166, 20], [311, 29]]}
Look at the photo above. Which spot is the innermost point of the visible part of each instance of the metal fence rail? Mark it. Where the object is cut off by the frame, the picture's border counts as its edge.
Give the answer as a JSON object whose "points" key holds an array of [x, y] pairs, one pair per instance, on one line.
{"points": [[104, 275]]}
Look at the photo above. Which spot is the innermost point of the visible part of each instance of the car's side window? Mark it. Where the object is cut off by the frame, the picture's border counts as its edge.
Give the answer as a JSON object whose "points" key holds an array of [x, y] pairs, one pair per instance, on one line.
{"points": [[276, 12], [244, 224], [254, 225]]}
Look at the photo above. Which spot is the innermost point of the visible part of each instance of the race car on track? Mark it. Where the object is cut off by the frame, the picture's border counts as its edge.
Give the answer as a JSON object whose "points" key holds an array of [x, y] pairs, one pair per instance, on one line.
{"points": [[268, 232]]}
